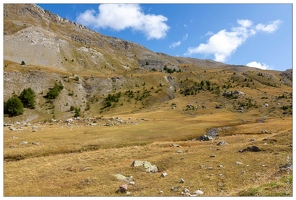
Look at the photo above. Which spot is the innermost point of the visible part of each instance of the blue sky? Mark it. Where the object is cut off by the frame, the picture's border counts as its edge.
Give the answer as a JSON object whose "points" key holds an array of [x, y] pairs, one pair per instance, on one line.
{"points": [[257, 35]]}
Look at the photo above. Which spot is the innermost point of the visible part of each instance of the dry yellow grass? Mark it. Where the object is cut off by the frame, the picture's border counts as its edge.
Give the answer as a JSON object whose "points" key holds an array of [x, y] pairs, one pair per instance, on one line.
{"points": [[52, 170]]}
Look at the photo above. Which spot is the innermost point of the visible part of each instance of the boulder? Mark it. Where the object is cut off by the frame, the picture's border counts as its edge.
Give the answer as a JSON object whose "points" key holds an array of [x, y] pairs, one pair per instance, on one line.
{"points": [[204, 138], [251, 149], [146, 165]]}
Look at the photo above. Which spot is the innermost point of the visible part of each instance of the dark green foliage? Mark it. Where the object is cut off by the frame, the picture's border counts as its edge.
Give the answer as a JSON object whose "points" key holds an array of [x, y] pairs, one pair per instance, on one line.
{"points": [[54, 92], [27, 97], [13, 106], [77, 112], [112, 98], [23, 63], [72, 108], [76, 78]]}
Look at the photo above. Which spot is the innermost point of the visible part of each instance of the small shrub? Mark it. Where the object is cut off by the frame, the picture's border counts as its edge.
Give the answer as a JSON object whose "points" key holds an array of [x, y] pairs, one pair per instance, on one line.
{"points": [[13, 106], [27, 97]]}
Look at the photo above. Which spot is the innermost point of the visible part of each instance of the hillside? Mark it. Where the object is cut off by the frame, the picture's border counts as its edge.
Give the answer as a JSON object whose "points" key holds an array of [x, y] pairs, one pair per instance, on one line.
{"points": [[133, 104]]}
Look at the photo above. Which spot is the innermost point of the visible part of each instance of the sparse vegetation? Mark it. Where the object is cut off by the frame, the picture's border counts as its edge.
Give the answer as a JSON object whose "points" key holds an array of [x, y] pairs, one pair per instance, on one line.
{"points": [[54, 92]]}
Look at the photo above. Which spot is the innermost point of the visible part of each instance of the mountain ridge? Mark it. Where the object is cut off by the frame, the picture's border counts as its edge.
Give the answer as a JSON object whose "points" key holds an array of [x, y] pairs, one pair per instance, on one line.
{"points": [[92, 66]]}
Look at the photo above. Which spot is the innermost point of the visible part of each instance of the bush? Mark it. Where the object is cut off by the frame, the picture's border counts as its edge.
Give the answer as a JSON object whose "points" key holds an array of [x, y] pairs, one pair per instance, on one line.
{"points": [[54, 92], [77, 112], [27, 97], [23, 63], [13, 106]]}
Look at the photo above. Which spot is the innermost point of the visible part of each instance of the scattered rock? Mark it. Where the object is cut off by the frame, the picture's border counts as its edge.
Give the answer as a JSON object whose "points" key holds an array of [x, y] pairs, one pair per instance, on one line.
{"points": [[182, 181], [12, 146], [198, 192], [212, 156], [221, 143], [122, 188], [124, 178], [13, 137], [264, 131], [204, 138], [175, 189], [128, 193], [186, 190], [23, 143], [238, 163], [147, 165], [251, 149], [270, 140], [132, 183], [179, 151], [286, 166], [175, 145], [36, 143], [220, 166], [164, 174]]}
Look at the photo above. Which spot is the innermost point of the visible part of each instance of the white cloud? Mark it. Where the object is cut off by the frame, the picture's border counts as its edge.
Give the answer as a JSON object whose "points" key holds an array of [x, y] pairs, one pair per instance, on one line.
{"points": [[244, 22], [122, 16], [175, 44], [224, 43], [185, 37], [258, 65], [269, 28]]}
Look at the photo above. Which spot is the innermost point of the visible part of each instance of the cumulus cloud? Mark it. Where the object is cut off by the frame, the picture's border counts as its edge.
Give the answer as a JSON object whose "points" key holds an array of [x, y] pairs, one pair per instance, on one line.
{"points": [[123, 16], [269, 28], [258, 65], [224, 43]]}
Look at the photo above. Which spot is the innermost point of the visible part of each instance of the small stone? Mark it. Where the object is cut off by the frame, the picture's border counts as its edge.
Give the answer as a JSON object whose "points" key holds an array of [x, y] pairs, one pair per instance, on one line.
{"points": [[23, 143], [179, 151], [132, 183], [122, 188], [160, 192], [182, 180], [212, 156], [164, 174], [128, 193], [238, 163], [36, 143], [198, 192], [186, 190], [221, 166]]}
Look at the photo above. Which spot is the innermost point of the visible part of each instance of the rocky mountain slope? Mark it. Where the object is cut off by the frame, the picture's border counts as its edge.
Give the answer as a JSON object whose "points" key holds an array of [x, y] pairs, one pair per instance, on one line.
{"points": [[92, 66]]}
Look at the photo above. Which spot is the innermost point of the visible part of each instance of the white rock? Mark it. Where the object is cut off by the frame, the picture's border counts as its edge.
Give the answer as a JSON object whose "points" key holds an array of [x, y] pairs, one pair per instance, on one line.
{"points": [[198, 192]]}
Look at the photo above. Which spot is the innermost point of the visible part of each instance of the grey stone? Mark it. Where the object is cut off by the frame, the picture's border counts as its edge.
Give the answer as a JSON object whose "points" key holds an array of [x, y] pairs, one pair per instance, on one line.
{"points": [[250, 149], [122, 188], [123, 178], [221, 143]]}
